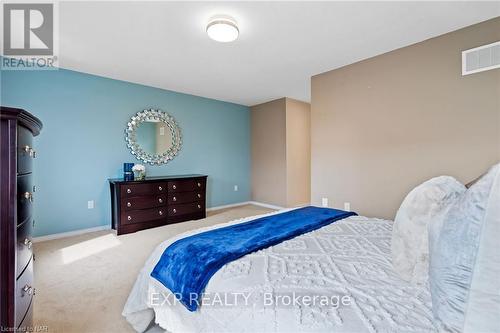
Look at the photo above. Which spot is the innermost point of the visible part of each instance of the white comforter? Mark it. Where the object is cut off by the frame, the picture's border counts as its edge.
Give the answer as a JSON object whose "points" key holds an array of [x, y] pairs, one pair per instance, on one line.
{"points": [[349, 258]]}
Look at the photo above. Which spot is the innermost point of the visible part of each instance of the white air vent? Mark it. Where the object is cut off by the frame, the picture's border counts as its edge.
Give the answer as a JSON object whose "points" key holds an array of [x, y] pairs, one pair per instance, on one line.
{"points": [[481, 58]]}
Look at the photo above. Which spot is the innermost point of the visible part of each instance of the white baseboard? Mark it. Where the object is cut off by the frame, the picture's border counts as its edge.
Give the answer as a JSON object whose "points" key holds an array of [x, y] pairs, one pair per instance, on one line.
{"points": [[256, 203], [228, 206], [107, 227], [70, 233]]}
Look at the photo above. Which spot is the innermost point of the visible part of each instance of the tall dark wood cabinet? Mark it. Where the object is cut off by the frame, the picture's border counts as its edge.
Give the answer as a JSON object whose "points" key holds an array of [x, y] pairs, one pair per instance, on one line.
{"points": [[17, 130], [156, 201]]}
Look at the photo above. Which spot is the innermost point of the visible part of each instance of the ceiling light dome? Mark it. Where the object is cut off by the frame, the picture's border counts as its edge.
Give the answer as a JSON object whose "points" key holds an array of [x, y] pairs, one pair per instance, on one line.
{"points": [[222, 29]]}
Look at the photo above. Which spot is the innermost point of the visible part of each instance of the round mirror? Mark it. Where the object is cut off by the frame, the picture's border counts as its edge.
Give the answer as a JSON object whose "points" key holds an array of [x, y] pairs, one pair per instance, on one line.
{"points": [[153, 136]]}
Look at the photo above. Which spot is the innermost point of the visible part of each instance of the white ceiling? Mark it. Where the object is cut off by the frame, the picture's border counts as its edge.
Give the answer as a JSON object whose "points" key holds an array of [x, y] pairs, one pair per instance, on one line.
{"points": [[281, 44]]}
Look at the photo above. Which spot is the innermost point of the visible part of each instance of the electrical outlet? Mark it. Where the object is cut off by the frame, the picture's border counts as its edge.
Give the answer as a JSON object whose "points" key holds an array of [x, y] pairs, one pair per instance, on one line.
{"points": [[235, 188], [347, 206], [324, 202], [90, 204]]}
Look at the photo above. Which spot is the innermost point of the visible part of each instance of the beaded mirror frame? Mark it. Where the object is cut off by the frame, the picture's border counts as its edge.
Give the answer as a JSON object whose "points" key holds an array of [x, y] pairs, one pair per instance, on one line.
{"points": [[158, 116]]}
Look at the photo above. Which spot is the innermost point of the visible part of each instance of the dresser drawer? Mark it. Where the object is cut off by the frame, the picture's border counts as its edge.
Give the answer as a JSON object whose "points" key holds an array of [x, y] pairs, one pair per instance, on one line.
{"points": [[25, 197], [27, 323], [144, 215], [188, 208], [131, 190], [158, 201], [24, 245], [24, 293], [25, 152], [185, 197], [134, 203], [186, 185]]}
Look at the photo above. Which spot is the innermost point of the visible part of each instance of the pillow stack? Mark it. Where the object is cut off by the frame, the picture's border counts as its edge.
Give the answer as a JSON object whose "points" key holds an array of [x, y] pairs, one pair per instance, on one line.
{"points": [[425, 205], [450, 236], [464, 271]]}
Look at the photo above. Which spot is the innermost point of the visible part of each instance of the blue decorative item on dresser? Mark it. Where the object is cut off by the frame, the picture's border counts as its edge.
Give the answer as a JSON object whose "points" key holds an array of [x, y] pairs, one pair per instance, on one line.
{"points": [[128, 174]]}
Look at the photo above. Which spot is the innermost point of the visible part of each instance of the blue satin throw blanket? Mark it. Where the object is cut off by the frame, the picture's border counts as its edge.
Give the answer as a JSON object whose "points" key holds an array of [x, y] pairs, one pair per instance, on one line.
{"points": [[187, 265]]}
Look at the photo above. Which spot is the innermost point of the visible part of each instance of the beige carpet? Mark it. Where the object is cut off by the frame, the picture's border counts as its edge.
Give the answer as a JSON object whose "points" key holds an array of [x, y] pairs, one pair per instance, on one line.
{"points": [[82, 282]]}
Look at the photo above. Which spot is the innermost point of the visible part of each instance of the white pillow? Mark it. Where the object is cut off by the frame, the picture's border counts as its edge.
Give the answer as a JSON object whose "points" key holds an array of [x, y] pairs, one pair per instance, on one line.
{"points": [[425, 204], [454, 251], [483, 307]]}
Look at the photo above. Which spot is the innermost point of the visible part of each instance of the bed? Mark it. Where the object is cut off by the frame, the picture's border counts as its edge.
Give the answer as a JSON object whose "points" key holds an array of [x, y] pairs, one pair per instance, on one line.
{"points": [[348, 260]]}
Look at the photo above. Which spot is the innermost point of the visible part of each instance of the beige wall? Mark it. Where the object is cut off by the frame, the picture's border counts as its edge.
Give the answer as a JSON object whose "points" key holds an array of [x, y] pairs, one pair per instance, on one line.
{"points": [[382, 126], [281, 155], [298, 152], [163, 142], [269, 152]]}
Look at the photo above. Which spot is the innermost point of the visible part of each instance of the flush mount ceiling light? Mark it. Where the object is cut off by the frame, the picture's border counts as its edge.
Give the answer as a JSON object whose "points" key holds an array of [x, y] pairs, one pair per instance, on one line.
{"points": [[222, 29]]}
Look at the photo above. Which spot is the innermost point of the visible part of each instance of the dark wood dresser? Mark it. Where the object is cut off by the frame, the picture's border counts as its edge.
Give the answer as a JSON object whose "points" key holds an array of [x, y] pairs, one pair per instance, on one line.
{"points": [[156, 201], [17, 129]]}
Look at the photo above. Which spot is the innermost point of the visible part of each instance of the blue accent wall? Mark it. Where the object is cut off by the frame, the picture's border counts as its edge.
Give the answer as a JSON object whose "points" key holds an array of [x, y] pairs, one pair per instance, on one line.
{"points": [[82, 143]]}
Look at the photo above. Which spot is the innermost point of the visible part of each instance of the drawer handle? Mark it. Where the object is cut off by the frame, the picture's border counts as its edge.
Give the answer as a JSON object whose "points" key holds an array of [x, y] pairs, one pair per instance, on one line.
{"points": [[28, 196], [199, 195], [30, 151], [174, 210], [129, 190], [129, 204], [160, 200], [27, 289], [160, 212], [199, 184], [28, 243], [160, 188], [199, 206], [129, 218], [174, 198], [174, 187]]}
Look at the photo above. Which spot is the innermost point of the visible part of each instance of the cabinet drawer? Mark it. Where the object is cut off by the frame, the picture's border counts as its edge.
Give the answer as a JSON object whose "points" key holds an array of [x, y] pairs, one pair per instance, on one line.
{"points": [[145, 215], [27, 323], [187, 185], [185, 197], [25, 152], [133, 203], [188, 208], [24, 245], [131, 190], [24, 293], [25, 197]]}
